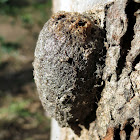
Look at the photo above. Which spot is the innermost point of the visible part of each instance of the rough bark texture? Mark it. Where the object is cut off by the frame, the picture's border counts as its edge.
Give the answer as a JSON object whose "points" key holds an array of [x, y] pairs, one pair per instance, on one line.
{"points": [[117, 114]]}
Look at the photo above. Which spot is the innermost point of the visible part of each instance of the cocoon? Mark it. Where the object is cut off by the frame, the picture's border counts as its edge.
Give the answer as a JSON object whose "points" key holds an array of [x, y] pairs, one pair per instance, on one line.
{"points": [[66, 66]]}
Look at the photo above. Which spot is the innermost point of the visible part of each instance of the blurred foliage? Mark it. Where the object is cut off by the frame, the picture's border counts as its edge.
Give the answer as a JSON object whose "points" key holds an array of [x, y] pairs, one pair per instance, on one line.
{"points": [[10, 7], [21, 108], [8, 47], [26, 10], [3, 1], [21, 114], [29, 12], [17, 7], [15, 109], [27, 20]]}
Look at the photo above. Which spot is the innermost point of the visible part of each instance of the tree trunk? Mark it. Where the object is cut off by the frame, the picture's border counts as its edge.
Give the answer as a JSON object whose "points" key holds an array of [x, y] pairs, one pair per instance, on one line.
{"points": [[117, 114]]}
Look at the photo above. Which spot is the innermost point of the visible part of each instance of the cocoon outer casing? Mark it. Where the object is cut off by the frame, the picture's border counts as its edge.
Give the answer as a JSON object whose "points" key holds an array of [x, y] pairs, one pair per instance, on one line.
{"points": [[68, 51]]}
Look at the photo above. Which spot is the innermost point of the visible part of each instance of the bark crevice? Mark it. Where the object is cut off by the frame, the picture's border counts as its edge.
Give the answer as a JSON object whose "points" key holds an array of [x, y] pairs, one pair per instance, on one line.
{"points": [[125, 41]]}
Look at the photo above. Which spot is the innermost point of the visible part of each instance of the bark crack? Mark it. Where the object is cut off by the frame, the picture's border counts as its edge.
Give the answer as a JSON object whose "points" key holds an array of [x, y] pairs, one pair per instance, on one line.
{"points": [[126, 39]]}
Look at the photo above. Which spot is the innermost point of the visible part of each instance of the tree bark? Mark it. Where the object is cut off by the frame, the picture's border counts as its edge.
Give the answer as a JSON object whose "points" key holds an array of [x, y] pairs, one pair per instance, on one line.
{"points": [[118, 111]]}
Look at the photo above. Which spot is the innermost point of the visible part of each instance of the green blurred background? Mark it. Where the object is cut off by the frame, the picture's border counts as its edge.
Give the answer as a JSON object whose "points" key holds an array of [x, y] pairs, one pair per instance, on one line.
{"points": [[21, 114]]}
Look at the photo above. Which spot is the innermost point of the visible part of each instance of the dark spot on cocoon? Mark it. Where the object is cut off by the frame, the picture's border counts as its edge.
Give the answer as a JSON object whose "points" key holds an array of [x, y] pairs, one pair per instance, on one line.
{"points": [[72, 21], [95, 22], [81, 23], [70, 60], [56, 23], [61, 16]]}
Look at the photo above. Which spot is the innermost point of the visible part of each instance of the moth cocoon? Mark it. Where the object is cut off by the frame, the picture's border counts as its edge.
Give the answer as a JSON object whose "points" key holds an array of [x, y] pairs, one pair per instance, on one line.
{"points": [[66, 55]]}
